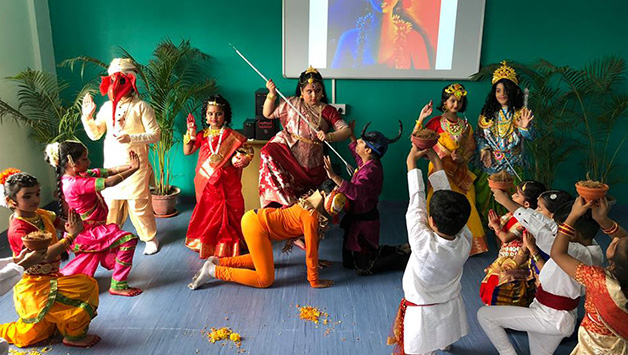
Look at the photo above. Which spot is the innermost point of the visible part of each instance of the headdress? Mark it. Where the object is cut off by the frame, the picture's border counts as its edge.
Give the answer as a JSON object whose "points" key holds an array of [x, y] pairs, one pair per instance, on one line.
{"points": [[52, 152], [214, 103], [505, 72], [309, 76], [4, 176], [456, 90], [336, 203], [377, 141], [124, 65], [119, 83]]}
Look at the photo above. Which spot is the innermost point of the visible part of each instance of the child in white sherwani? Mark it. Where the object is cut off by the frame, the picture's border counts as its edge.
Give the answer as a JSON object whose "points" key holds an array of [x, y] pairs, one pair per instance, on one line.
{"points": [[11, 271], [432, 314]]}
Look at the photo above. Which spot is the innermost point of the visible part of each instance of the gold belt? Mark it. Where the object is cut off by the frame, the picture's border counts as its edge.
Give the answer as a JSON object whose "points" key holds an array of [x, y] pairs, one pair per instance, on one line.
{"points": [[303, 139]]}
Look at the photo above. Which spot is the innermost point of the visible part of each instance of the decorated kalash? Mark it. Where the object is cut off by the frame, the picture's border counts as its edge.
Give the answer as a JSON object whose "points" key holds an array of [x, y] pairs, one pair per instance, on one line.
{"points": [[503, 126]]}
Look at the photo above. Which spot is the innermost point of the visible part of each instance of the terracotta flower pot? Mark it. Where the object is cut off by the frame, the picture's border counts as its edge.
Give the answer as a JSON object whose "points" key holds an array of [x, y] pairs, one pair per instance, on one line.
{"points": [[164, 205], [591, 193], [501, 185], [423, 143]]}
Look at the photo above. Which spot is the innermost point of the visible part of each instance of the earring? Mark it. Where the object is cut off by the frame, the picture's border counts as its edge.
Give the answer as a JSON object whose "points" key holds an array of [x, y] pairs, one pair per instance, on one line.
{"points": [[301, 96]]}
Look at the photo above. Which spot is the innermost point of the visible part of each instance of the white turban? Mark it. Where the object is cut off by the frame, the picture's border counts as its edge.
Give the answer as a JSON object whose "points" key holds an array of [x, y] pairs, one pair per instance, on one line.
{"points": [[124, 65]]}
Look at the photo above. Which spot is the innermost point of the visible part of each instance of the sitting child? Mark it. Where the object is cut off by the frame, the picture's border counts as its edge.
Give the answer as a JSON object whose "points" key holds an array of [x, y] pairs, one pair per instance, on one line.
{"points": [[553, 313], [432, 314], [308, 217], [45, 300], [604, 329], [510, 281], [360, 246], [11, 272]]}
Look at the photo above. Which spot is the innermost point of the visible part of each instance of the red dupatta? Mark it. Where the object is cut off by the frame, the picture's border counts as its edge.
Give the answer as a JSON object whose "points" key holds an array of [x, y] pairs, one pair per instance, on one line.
{"points": [[207, 171]]}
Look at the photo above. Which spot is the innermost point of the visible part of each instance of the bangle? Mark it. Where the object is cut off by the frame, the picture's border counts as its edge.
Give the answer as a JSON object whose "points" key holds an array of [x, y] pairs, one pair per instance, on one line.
{"points": [[536, 257], [523, 252], [121, 177], [186, 138], [611, 230], [330, 136], [271, 96], [567, 230]]}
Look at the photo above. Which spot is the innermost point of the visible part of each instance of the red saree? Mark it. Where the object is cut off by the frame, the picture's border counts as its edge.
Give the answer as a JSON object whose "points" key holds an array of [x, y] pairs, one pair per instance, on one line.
{"points": [[215, 223]]}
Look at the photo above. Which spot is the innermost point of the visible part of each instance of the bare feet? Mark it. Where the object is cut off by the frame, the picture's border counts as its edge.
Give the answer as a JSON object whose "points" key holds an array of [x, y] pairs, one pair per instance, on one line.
{"points": [[86, 342], [127, 292], [204, 274]]}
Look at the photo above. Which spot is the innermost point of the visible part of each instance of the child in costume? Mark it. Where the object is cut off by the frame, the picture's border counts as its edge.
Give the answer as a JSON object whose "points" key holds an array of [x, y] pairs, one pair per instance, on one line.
{"points": [[45, 300], [215, 228], [432, 314], [503, 126], [604, 329], [510, 279], [100, 242], [455, 148], [291, 163], [308, 217], [360, 248], [128, 124], [11, 272], [553, 313]]}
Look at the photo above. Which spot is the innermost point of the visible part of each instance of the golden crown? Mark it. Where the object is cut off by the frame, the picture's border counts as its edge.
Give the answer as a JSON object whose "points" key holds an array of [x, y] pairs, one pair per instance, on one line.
{"points": [[311, 69], [505, 72], [214, 103], [457, 90]]}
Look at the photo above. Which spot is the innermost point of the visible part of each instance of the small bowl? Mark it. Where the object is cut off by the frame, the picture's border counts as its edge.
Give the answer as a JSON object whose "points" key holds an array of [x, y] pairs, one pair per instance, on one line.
{"points": [[501, 185], [37, 244], [591, 193], [423, 143]]}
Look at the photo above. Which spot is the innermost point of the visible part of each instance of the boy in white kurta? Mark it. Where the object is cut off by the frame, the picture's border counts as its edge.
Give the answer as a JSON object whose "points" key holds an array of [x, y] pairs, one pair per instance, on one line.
{"points": [[129, 124], [553, 313], [11, 271], [434, 316]]}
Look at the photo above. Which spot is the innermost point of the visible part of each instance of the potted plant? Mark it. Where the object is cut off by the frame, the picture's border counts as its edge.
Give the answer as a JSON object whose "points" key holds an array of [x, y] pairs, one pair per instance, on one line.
{"points": [[591, 190], [175, 81], [501, 181], [43, 109], [424, 138]]}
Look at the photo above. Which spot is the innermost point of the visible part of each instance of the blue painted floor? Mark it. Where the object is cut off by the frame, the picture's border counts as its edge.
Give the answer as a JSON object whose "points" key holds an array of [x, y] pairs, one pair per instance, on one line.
{"points": [[168, 318]]}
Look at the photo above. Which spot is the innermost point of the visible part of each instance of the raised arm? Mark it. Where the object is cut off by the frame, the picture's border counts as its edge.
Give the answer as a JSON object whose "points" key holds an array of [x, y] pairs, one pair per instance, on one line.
{"points": [[94, 128], [560, 248], [269, 103]]}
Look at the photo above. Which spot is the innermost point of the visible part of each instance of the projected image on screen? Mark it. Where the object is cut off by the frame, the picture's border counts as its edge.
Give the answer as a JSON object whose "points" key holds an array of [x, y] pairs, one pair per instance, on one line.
{"points": [[383, 38], [389, 34]]}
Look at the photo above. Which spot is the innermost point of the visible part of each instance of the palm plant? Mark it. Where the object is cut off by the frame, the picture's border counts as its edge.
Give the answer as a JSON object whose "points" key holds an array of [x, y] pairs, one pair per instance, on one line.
{"points": [[175, 81], [42, 107], [597, 106]]}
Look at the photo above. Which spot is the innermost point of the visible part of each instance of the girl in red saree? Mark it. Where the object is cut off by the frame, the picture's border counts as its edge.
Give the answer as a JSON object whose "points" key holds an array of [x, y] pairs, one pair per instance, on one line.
{"points": [[291, 163], [604, 329], [215, 224]]}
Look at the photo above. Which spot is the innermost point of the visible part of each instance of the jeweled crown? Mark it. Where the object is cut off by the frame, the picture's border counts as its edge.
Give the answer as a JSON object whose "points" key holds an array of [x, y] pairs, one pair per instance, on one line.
{"points": [[505, 72], [457, 90]]}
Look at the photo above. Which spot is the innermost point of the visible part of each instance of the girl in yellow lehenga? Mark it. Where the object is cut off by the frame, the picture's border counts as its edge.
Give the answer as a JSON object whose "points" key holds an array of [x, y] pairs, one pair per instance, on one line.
{"points": [[45, 300], [455, 148]]}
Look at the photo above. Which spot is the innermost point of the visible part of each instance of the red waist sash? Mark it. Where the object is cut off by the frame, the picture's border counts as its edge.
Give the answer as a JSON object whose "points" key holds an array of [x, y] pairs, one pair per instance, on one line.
{"points": [[560, 303]]}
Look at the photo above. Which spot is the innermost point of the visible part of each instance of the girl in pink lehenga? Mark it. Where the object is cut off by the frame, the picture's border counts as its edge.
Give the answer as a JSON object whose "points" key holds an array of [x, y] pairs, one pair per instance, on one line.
{"points": [[291, 163], [99, 242]]}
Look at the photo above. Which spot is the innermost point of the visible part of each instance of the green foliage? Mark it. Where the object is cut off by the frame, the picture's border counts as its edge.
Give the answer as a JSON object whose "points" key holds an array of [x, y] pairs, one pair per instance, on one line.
{"points": [[584, 101], [175, 81], [42, 108]]}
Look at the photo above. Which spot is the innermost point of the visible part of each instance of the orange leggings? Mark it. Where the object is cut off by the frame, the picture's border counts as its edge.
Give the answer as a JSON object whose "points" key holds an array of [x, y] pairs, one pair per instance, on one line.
{"points": [[256, 269]]}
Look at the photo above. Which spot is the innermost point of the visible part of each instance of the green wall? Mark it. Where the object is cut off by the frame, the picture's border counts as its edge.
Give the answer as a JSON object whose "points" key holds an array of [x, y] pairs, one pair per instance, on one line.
{"points": [[564, 33]]}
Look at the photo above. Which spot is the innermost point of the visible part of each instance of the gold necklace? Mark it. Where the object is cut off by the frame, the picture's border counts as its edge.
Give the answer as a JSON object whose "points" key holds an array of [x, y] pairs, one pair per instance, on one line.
{"points": [[454, 129], [36, 221]]}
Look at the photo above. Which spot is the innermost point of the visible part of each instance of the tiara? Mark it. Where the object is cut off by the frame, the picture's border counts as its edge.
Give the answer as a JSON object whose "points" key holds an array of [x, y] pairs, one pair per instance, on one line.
{"points": [[505, 72], [457, 90], [214, 103], [311, 69]]}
